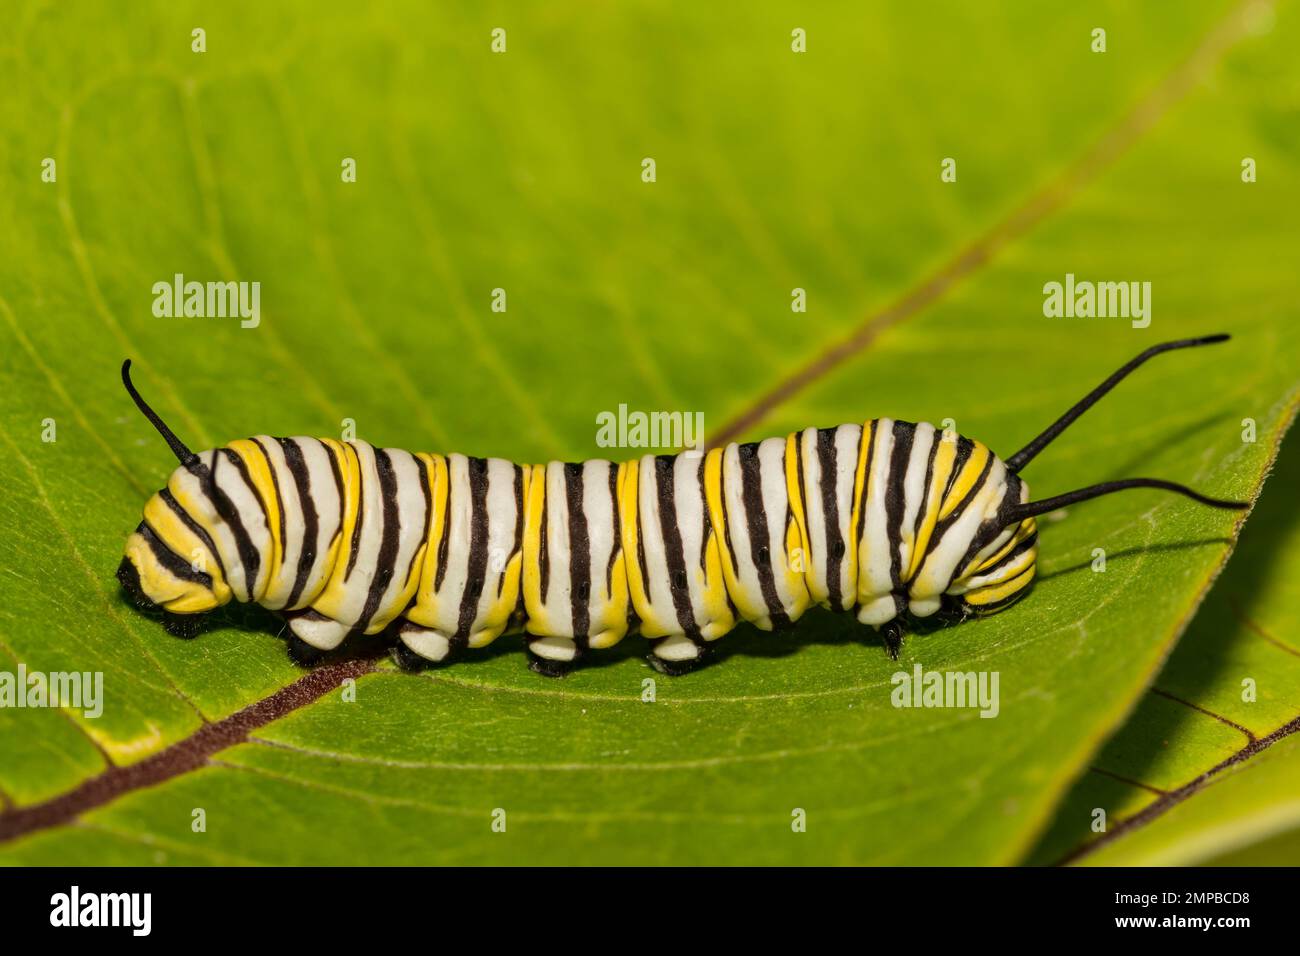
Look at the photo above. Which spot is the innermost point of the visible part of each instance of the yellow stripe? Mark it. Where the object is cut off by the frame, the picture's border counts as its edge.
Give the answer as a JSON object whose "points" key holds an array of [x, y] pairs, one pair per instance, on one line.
{"points": [[714, 484], [796, 503], [534, 514], [176, 535], [944, 459], [796, 537], [859, 477], [259, 470], [1011, 570], [612, 624], [796, 581], [718, 616], [995, 593], [629, 515], [197, 507], [1024, 531], [966, 478], [161, 586], [713, 499], [425, 611]]}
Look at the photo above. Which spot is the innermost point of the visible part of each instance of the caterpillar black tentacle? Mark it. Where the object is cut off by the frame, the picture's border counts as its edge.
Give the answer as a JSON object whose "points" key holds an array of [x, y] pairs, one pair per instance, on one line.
{"points": [[894, 521]]}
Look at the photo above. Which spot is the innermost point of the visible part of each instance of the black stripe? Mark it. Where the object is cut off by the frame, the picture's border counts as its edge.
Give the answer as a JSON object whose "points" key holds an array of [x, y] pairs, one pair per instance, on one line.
{"points": [[423, 470], [1010, 598], [1010, 556], [994, 607], [390, 538], [193, 525], [756, 522], [965, 448], [674, 550], [543, 548], [640, 534], [336, 468], [519, 614], [710, 530], [249, 557], [945, 523], [172, 562], [726, 520], [297, 464], [275, 486], [896, 498], [579, 555], [476, 571], [617, 544], [869, 436], [924, 508], [827, 456], [988, 529], [991, 528], [519, 530], [242, 467]]}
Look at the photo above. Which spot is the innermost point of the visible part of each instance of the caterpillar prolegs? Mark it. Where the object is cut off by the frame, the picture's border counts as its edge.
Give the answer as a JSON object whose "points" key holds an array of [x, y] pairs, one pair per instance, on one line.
{"points": [[890, 520]]}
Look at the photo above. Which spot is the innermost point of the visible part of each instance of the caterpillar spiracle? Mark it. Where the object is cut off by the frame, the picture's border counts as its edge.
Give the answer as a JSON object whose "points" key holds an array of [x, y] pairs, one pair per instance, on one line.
{"points": [[890, 520]]}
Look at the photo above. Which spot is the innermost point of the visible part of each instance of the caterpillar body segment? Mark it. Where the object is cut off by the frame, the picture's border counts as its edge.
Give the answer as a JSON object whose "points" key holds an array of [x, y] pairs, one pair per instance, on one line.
{"points": [[889, 520], [575, 589], [343, 537]]}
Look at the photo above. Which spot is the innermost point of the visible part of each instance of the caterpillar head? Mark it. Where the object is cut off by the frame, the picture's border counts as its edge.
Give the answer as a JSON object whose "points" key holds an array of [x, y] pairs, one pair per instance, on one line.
{"points": [[170, 561], [167, 564], [999, 566]]}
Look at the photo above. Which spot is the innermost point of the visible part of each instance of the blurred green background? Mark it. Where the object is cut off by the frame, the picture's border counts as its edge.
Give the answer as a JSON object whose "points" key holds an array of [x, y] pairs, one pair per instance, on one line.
{"points": [[775, 171]]}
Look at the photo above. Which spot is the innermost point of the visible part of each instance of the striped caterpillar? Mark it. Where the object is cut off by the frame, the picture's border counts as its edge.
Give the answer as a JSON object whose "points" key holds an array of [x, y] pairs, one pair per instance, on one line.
{"points": [[892, 520]]}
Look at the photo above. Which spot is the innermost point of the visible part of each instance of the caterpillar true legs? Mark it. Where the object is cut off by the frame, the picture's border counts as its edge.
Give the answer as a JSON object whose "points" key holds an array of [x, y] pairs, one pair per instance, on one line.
{"points": [[890, 520]]}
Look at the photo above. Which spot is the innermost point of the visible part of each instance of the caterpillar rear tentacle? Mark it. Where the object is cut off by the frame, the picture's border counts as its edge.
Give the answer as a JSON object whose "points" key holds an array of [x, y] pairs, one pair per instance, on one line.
{"points": [[889, 520]]}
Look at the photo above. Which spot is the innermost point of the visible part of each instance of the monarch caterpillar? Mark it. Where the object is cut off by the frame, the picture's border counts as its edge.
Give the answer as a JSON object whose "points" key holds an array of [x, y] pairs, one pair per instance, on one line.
{"points": [[893, 520]]}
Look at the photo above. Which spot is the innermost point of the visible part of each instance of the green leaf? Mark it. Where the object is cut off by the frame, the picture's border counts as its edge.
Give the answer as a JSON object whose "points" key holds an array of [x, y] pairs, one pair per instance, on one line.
{"points": [[1208, 764], [522, 171]]}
